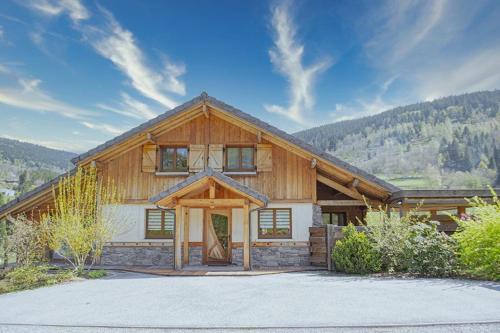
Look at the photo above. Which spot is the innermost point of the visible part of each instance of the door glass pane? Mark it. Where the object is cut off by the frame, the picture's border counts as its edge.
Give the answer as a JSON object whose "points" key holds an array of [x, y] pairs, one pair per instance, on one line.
{"points": [[233, 158], [326, 218], [167, 162], [181, 163], [220, 224], [247, 158]]}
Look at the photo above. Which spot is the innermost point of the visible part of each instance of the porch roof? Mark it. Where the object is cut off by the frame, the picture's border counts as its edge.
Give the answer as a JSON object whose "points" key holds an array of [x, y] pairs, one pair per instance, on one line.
{"points": [[201, 179]]}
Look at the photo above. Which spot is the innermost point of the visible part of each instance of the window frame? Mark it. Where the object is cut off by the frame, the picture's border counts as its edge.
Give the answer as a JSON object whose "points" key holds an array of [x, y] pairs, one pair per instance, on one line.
{"points": [[162, 236], [240, 158], [175, 148], [274, 236]]}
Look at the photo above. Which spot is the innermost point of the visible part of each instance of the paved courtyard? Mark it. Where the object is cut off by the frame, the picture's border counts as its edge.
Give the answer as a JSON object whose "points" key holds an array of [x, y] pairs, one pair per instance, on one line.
{"points": [[293, 300]]}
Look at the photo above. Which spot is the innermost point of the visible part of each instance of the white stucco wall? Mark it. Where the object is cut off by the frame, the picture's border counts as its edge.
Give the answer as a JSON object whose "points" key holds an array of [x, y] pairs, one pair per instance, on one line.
{"points": [[132, 223]]}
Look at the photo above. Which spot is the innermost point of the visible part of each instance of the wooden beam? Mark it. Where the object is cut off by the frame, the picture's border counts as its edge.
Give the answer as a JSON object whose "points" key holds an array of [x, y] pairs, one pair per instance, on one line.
{"points": [[353, 184], [205, 111], [211, 189], [340, 188], [341, 203], [314, 185], [186, 236], [246, 237], [212, 202], [177, 241], [150, 137], [314, 163], [460, 210]]}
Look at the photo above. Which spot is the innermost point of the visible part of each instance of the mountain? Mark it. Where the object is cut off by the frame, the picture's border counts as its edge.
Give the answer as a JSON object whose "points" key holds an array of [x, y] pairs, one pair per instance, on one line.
{"points": [[24, 165], [451, 142]]}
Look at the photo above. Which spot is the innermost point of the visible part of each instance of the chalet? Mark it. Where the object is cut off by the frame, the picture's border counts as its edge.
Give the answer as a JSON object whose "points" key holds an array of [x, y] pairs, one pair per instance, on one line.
{"points": [[206, 183]]}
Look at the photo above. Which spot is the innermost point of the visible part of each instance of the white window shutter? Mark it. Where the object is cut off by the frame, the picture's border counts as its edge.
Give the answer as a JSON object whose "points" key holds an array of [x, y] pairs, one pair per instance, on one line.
{"points": [[149, 158], [264, 157], [216, 156], [196, 158]]}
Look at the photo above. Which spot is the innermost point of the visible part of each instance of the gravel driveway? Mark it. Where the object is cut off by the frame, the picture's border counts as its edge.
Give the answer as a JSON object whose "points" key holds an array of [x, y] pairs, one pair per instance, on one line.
{"points": [[315, 299]]}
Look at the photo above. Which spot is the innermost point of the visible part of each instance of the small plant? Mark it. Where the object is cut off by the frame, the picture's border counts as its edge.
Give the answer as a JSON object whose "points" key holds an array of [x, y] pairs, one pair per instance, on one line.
{"points": [[97, 274], [29, 277], [355, 253]]}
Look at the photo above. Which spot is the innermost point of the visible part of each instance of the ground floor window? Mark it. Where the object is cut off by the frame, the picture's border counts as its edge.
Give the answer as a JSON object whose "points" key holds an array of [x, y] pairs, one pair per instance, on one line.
{"points": [[334, 218], [160, 223], [275, 223]]}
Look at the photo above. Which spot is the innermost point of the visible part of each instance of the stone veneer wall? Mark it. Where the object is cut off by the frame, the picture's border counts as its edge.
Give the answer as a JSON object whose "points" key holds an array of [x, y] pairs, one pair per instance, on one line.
{"points": [[280, 256], [317, 216], [237, 256], [161, 256], [195, 255]]}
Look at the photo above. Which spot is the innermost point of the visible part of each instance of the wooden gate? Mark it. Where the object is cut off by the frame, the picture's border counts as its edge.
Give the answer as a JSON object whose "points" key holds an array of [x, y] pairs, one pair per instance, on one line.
{"points": [[318, 246]]}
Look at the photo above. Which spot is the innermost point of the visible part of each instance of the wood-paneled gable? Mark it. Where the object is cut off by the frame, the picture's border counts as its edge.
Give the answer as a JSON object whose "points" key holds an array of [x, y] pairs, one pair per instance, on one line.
{"points": [[290, 178]]}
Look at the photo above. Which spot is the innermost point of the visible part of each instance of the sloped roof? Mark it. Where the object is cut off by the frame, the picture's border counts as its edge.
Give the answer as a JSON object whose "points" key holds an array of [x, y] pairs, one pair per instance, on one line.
{"points": [[204, 97], [207, 173]]}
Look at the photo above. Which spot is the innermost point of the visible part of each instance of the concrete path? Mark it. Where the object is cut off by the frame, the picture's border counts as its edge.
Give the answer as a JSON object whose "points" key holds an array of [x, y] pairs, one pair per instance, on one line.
{"points": [[269, 303]]}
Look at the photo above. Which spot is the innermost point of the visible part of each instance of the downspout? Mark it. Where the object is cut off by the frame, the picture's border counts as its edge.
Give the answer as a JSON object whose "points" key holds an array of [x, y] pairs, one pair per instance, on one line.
{"points": [[250, 231], [175, 226]]}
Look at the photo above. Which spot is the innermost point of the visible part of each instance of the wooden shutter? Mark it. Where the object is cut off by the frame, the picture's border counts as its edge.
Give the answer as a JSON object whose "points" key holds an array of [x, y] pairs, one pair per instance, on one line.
{"points": [[196, 158], [216, 156], [264, 157], [149, 158]]}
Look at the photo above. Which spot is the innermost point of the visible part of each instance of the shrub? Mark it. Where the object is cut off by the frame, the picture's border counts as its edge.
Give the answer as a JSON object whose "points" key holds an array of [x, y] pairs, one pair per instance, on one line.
{"points": [[27, 240], [28, 277], [478, 240], [431, 253], [355, 253], [389, 235], [97, 274]]}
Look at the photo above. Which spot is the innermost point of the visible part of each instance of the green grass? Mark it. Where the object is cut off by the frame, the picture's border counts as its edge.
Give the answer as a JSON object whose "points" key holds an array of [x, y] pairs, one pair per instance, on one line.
{"points": [[411, 182], [97, 274]]}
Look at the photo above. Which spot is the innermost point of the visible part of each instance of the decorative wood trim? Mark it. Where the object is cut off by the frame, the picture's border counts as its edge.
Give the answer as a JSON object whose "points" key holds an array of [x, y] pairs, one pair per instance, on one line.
{"points": [[341, 203], [211, 202], [314, 185], [246, 237], [280, 244]]}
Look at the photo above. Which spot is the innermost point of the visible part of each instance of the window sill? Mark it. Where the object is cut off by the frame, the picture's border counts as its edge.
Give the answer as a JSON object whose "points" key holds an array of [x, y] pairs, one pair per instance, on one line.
{"points": [[240, 173], [172, 173]]}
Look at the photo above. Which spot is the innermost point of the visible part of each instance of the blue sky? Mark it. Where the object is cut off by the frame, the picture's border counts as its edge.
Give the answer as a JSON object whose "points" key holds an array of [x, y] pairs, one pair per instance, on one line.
{"points": [[76, 73]]}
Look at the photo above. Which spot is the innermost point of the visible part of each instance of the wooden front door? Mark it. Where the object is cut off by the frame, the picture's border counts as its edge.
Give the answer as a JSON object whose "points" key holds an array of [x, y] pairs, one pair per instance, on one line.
{"points": [[217, 237]]}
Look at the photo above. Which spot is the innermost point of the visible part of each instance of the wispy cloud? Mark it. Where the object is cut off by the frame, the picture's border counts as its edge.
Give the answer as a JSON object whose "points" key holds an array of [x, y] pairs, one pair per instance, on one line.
{"points": [[73, 8], [130, 107], [29, 95], [106, 128], [118, 44], [1, 32], [287, 58]]}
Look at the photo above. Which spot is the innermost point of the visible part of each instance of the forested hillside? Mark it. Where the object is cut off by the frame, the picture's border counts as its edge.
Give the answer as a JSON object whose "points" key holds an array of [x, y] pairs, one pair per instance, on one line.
{"points": [[451, 142], [25, 165]]}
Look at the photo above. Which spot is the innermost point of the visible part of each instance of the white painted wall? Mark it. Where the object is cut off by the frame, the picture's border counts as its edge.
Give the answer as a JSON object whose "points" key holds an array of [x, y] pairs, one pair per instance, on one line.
{"points": [[131, 227]]}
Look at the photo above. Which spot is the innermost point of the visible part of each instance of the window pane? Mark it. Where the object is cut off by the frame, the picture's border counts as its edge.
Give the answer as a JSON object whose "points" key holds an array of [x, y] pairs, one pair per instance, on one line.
{"points": [[266, 222], [169, 221], [233, 158], [167, 162], [154, 220], [326, 218], [282, 222], [247, 158], [181, 162]]}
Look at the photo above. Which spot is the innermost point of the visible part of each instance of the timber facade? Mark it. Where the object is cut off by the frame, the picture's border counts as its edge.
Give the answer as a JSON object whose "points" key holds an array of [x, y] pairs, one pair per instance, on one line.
{"points": [[207, 184]]}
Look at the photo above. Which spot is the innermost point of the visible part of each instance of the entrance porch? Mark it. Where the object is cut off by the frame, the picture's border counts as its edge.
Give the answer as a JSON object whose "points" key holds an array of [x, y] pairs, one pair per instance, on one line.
{"points": [[217, 196]]}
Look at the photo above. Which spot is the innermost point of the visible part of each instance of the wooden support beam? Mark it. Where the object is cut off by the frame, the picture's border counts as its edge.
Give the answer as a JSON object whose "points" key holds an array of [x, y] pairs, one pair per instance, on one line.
{"points": [[314, 185], [460, 210], [246, 237], [259, 137], [150, 137], [314, 163], [338, 187], [205, 110], [353, 184], [178, 240], [212, 202], [186, 237], [341, 203], [212, 189]]}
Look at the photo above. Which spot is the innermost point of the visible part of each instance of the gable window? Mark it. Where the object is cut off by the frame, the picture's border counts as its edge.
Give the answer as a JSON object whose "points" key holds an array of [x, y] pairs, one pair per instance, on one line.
{"points": [[334, 218], [240, 159], [160, 223], [174, 159], [275, 223]]}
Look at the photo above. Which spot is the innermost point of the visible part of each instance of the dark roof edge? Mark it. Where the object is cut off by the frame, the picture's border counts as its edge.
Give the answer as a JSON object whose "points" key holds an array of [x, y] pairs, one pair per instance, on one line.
{"points": [[442, 193], [209, 172]]}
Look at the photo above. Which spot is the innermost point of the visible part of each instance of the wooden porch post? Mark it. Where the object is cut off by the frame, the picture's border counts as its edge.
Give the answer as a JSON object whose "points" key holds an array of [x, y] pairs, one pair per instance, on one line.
{"points": [[186, 236], [246, 237], [178, 240]]}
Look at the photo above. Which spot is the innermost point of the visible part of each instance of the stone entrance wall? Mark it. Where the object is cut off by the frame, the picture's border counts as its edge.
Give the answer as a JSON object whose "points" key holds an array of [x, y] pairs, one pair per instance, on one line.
{"points": [[161, 256], [280, 256]]}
